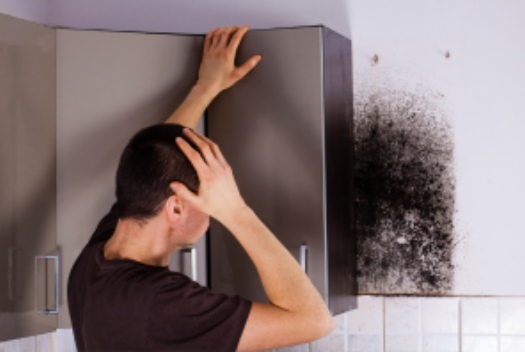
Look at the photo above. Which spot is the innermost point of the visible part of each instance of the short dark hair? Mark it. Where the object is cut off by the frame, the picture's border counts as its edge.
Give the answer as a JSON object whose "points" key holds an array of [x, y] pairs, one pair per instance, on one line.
{"points": [[148, 164]]}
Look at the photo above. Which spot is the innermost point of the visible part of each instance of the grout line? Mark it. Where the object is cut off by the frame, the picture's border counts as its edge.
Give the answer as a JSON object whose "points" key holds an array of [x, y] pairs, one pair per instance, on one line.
{"points": [[345, 329], [420, 326], [499, 327], [459, 325], [383, 324]]}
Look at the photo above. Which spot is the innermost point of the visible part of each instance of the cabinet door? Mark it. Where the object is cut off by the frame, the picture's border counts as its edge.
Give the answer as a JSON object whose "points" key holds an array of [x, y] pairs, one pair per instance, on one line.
{"points": [[28, 260], [269, 126], [110, 85]]}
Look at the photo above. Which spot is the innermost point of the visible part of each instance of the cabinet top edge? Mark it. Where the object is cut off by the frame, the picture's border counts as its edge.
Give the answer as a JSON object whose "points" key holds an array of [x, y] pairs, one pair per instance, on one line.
{"points": [[318, 26]]}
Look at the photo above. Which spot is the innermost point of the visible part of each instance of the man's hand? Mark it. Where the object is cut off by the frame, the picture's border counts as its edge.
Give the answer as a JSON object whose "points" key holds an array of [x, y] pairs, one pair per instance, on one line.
{"points": [[218, 71], [218, 194]]}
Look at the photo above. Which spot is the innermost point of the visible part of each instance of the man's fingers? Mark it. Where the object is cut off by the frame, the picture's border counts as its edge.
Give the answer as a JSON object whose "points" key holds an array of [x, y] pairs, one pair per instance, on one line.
{"points": [[208, 41], [225, 36], [236, 39], [214, 148], [204, 147], [182, 191], [215, 39], [193, 156]]}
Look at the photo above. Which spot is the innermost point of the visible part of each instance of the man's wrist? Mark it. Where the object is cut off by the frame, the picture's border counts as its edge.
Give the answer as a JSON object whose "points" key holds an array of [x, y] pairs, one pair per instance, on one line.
{"points": [[235, 216], [206, 90], [191, 109]]}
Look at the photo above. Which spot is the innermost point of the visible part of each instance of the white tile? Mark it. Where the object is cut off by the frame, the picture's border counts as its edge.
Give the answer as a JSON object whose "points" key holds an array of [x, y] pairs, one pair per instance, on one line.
{"points": [[27, 344], [479, 344], [9, 346], [512, 315], [365, 343], [439, 315], [334, 342], [401, 315], [440, 343], [64, 340], [340, 321], [44, 343], [479, 315], [296, 348], [512, 344], [367, 317], [402, 343]]}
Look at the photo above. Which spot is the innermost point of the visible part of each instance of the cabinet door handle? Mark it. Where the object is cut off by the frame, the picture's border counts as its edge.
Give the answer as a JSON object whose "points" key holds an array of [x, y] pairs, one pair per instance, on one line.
{"points": [[302, 257], [193, 258], [46, 257]]}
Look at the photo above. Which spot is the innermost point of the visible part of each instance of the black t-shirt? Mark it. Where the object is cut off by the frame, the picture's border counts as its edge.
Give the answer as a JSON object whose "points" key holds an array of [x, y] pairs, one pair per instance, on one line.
{"points": [[122, 304]]}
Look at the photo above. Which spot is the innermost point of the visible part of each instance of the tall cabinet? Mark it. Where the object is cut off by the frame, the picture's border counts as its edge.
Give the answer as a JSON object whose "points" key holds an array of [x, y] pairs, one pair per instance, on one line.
{"points": [[71, 99]]}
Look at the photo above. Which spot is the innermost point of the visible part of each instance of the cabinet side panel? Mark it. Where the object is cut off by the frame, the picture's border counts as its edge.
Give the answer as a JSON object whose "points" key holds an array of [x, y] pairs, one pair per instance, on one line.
{"points": [[339, 159]]}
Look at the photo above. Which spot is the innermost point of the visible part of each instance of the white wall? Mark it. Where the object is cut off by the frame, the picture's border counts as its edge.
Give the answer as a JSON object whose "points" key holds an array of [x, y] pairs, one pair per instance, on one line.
{"points": [[483, 83]]}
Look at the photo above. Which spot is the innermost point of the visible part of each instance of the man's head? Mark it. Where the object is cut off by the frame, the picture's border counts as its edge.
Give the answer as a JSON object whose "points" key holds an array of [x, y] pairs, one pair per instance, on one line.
{"points": [[149, 163]]}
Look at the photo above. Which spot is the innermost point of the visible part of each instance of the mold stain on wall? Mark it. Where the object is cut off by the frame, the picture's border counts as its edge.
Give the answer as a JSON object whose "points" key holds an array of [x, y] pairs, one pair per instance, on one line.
{"points": [[405, 191]]}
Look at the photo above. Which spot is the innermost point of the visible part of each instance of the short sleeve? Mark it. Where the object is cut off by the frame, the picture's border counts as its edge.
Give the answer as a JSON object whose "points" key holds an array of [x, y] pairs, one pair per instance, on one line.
{"points": [[188, 316], [106, 225]]}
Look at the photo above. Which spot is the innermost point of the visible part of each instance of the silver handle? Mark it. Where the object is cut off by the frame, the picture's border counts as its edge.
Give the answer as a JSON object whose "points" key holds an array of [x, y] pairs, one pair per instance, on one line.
{"points": [[193, 258], [302, 257], [46, 257]]}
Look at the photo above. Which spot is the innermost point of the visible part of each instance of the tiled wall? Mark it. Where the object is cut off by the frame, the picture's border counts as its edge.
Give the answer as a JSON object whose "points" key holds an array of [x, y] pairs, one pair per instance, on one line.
{"points": [[61, 340], [417, 324], [387, 324]]}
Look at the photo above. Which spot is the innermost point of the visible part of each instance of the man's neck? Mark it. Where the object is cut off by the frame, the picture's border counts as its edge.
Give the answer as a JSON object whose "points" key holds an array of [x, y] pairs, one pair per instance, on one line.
{"points": [[148, 244]]}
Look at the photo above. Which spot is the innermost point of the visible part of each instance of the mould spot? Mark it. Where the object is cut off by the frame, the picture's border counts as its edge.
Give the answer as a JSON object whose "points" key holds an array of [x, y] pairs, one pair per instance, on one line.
{"points": [[405, 192]]}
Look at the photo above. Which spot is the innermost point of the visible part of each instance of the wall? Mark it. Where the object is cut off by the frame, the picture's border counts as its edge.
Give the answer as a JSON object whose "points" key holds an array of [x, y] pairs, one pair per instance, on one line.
{"points": [[477, 89], [481, 84], [31, 10]]}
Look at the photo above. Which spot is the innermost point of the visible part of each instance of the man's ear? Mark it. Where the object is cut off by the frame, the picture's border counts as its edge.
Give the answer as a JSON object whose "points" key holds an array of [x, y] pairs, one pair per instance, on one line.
{"points": [[174, 208]]}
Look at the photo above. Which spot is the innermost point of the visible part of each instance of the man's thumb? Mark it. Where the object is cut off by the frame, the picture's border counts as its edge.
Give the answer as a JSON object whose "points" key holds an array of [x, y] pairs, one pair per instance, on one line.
{"points": [[182, 191], [248, 65]]}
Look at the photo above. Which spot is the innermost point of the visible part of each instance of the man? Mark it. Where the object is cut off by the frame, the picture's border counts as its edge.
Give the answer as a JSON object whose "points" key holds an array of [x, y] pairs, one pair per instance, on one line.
{"points": [[170, 180]]}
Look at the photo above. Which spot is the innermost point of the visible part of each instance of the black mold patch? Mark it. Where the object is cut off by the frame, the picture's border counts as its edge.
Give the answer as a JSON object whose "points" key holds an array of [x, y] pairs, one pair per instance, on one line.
{"points": [[405, 192]]}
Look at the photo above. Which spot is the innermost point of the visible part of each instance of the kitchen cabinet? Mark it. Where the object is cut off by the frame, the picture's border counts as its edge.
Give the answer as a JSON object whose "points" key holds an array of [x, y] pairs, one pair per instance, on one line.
{"points": [[71, 100], [286, 129], [29, 257]]}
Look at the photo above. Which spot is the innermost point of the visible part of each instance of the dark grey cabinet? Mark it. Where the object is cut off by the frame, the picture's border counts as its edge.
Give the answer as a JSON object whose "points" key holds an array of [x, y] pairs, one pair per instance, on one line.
{"points": [[287, 131]]}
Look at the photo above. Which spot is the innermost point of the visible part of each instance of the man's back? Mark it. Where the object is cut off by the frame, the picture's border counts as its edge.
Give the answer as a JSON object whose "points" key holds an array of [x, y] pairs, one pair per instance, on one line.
{"points": [[122, 304]]}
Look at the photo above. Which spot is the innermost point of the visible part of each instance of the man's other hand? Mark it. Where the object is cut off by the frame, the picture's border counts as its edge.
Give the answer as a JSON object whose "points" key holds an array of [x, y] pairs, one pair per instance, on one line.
{"points": [[218, 195], [218, 71]]}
